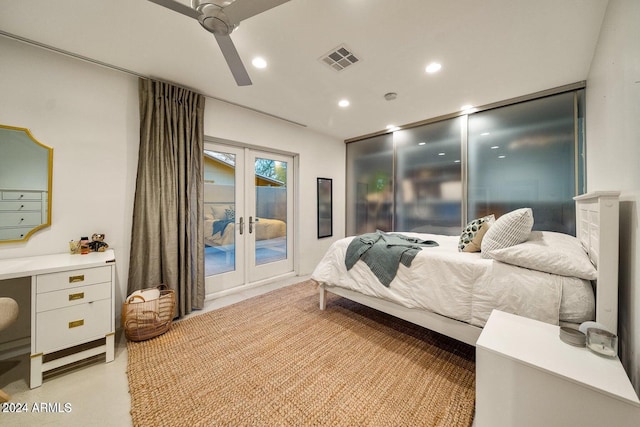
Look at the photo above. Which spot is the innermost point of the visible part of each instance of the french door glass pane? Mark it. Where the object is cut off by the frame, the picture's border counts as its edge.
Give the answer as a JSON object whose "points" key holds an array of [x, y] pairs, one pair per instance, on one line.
{"points": [[219, 212], [370, 185], [270, 224], [429, 178], [524, 155]]}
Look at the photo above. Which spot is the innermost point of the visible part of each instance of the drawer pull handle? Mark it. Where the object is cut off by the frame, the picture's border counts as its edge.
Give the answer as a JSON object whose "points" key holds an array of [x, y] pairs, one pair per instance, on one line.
{"points": [[76, 323], [73, 297], [75, 279]]}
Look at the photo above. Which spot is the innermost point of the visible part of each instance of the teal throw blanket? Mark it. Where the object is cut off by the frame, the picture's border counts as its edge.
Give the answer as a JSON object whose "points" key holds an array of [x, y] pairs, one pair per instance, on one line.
{"points": [[384, 252]]}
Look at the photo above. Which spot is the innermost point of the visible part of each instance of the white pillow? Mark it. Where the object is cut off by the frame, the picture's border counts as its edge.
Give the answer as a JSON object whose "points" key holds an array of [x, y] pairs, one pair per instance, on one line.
{"points": [[550, 252], [508, 230]]}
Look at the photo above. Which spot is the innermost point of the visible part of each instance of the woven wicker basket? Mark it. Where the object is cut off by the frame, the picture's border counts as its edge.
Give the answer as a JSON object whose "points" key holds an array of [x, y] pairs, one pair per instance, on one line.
{"points": [[143, 320]]}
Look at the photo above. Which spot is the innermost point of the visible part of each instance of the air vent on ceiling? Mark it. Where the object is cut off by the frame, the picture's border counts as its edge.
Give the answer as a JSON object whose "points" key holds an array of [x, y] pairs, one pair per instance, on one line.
{"points": [[339, 58]]}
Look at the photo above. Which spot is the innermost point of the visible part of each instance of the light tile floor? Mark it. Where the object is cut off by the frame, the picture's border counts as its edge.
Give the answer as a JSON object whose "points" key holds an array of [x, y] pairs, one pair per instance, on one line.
{"points": [[92, 394]]}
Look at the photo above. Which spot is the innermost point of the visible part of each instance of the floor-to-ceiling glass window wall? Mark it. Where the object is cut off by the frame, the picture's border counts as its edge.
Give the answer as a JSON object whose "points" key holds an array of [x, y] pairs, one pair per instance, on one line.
{"points": [[524, 155], [428, 193], [436, 176], [370, 185]]}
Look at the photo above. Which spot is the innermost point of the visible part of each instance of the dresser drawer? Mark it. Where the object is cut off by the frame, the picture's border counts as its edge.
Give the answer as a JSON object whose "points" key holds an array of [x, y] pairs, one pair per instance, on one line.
{"points": [[21, 195], [21, 206], [14, 233], [72, 296], [20, 219], [66, 327], [73, 278]]}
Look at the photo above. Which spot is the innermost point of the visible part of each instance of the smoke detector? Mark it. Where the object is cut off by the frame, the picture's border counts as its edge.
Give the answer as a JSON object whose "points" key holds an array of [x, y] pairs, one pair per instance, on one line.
{"points": [[390, 96]]}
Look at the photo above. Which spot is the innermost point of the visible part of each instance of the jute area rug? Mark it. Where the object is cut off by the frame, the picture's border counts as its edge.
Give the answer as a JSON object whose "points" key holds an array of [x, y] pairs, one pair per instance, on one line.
{"points": [[278, 360]]}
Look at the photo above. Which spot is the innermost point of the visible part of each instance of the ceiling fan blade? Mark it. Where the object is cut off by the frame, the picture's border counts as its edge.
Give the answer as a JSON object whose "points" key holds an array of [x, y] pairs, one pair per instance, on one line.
{"points": [[240, 10], [178, 7], [233, 60]]}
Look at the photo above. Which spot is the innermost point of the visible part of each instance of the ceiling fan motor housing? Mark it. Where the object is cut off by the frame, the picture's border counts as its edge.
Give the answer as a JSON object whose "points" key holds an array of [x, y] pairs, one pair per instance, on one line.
{"points": [[213, 18]]}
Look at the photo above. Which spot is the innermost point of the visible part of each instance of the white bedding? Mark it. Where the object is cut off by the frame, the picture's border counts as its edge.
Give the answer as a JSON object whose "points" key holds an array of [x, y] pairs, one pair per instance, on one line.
{"points": [[464, 286]]}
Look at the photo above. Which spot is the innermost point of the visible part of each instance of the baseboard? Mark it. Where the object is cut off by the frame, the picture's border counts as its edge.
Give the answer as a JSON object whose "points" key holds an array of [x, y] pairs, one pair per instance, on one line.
{"points": [[15, 348]]}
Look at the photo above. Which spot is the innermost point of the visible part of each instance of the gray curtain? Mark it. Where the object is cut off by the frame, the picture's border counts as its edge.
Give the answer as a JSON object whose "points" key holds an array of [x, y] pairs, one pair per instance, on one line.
{"points": [[167, 242]]}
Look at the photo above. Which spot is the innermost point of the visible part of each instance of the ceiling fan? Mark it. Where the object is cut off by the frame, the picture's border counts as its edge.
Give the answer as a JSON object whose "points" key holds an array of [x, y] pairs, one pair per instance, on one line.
{"points": [[221, 21]]}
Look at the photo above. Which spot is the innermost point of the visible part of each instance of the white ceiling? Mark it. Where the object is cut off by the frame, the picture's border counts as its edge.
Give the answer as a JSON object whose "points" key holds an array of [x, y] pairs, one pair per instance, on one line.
{"points": [[490, 50]]}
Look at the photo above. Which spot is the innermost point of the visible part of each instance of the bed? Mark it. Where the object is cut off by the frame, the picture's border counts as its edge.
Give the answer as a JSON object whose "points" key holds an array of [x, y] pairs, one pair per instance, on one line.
{"points": [[219, 226], [552, 277]]}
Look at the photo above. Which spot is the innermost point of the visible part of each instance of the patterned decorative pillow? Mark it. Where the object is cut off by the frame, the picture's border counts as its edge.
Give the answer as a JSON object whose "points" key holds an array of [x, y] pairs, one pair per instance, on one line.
{"points": [[230, 213], [508, 230], [473, 232]]}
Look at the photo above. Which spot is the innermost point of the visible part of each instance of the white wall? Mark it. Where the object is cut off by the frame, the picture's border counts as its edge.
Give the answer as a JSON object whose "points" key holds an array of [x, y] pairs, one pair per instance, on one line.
{"points": [[89, 115], [613, 154]]}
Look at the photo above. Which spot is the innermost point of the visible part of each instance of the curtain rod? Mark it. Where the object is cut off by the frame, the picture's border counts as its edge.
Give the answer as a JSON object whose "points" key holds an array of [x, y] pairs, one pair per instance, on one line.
{"points": [[135, 74]]}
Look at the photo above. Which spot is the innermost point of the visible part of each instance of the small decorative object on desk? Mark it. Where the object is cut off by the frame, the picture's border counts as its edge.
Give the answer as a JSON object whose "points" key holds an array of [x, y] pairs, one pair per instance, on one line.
{"points": [[84, 245], [572, 336], [74, 247], [97, 243], [602, 342]]}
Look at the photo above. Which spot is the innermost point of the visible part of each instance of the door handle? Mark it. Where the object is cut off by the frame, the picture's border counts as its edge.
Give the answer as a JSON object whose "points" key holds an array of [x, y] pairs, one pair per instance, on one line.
{"points": [[241, 225], [250, 224]]}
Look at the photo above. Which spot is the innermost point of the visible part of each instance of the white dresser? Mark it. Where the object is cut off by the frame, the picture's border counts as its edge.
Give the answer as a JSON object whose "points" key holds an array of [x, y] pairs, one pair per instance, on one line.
{"points": [[527, 377], [72, 307]]}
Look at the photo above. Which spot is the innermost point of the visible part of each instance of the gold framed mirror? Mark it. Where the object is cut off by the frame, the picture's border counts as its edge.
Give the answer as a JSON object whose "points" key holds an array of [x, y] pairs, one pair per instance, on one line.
{"points": [[26, 170]]}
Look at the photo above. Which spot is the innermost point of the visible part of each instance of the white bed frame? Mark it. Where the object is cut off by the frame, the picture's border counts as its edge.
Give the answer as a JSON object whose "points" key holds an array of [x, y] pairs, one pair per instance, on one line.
{"points": [[597, 218]]}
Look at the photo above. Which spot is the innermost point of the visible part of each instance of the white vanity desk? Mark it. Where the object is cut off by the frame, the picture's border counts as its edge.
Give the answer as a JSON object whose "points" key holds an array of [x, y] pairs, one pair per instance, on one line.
{"points": [[72, 303]]}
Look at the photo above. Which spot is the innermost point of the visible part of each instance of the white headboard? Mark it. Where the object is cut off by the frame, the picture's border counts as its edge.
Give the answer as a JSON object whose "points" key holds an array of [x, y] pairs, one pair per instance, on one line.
{"points": [[597, 227]]}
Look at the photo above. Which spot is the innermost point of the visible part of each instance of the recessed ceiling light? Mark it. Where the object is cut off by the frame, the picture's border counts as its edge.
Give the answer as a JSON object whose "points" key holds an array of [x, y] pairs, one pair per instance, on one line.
{"points": [[502, 156], [421, 143], [343, 103], [456, 161], [495, 147], [485, 133], [434, 67], [259, 62], [441, 154]]}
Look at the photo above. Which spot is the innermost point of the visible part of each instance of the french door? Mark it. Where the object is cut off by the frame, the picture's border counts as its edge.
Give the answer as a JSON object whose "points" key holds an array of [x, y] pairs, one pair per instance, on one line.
{"points": [[248, 216]]}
